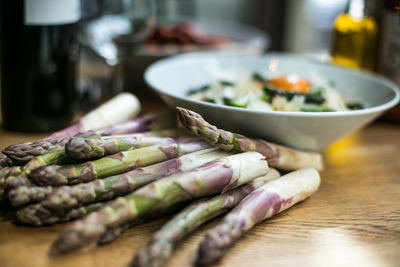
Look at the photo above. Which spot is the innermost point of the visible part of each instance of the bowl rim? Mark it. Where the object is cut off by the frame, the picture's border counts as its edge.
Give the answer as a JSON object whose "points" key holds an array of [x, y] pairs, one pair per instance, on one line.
{"points": [[361, 73]]}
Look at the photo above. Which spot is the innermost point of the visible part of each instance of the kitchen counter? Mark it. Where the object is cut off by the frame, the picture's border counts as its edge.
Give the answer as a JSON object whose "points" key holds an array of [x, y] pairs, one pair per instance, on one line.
{"points": [[353, 220]]}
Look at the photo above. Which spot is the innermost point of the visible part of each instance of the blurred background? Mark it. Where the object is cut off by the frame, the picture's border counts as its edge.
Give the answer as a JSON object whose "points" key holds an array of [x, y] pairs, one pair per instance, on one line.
{"points": [[299, 26], [118, 39]]}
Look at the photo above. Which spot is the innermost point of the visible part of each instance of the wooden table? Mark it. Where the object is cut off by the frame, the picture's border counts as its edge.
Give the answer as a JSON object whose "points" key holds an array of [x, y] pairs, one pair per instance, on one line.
{"points": [[353, 220]]}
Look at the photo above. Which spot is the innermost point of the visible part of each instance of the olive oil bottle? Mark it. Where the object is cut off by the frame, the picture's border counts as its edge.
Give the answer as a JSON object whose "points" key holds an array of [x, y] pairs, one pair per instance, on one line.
{"points": [[355, 37]]}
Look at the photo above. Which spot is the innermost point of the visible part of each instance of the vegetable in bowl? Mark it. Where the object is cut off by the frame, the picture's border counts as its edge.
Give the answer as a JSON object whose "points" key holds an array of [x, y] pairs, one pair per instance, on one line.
{"points": [[282, 93]]}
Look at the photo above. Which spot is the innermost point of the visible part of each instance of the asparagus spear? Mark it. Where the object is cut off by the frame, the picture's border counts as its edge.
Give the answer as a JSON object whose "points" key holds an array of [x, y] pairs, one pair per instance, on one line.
{"points": [[114, 164], [39, 215], [118, 109], [159, 249], [104, 189], [263, 203], [95, 146], [24, 152], [101, 118], [20, 176], [208, 179], [145, 123], [277, 156]]}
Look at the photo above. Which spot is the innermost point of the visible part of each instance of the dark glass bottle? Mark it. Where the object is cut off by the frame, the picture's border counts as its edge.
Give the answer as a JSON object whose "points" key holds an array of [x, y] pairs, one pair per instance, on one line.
{"points": [[38, 60], [389, 43]]}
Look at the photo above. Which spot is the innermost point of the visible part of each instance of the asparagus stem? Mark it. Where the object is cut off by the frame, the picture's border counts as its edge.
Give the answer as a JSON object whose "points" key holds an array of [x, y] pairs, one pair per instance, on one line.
{"points": [[263, 203], [208, 179], [113, 233], [68, 197], [95, 146], [161, 246], [114, 164], [277, 156]]}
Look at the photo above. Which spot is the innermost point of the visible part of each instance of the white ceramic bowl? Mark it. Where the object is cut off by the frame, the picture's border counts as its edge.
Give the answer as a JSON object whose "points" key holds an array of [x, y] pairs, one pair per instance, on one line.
{"points": [[171, 78]]}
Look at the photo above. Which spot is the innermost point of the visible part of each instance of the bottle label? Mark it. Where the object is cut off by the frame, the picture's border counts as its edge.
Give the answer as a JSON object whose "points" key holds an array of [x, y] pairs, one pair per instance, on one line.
{"points": [[51, 12], [390, 46]]}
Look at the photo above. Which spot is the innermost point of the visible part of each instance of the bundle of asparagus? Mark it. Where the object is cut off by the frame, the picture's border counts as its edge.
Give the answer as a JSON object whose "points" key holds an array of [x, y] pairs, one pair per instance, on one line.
{"points": [[210, 178], [189, 219], [117, 175], [51, 150]]}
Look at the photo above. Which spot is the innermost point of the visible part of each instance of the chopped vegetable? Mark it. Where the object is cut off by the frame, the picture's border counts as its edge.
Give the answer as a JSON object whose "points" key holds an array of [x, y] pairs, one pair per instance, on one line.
{"points": [[291, 83], [283, 93], [235, 103], [199, 90], [315, 108], [354, 106]]}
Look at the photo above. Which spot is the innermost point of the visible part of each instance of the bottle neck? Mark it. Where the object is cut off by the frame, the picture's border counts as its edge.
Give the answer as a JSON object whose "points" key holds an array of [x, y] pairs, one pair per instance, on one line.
{"points": [[356, 9]]}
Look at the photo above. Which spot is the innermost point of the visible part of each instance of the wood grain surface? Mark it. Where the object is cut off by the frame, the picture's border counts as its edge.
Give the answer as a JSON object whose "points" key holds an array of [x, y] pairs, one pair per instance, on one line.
{"points": [[353, 220]]}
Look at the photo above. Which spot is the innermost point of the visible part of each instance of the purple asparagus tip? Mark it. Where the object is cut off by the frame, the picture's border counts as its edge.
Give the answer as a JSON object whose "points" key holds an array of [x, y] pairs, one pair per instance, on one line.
{"points": [[81, 235], [49, 175], [84, 147], [24, 152], [190, 119], [35, 214]]}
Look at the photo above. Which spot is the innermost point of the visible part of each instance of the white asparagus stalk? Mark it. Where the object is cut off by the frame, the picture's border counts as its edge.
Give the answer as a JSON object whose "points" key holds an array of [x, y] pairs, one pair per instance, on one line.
{"points": [[118, 109]]}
